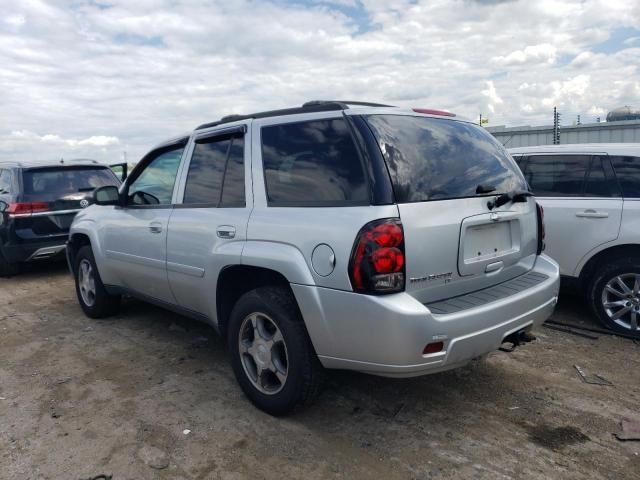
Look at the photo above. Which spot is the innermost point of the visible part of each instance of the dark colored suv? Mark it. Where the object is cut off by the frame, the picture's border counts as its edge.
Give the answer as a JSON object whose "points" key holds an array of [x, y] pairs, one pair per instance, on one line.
{"points": [[37, 204]]}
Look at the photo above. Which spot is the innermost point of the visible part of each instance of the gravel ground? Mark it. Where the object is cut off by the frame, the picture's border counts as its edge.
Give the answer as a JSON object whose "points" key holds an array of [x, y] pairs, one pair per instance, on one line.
{"points": [[149, 394]]}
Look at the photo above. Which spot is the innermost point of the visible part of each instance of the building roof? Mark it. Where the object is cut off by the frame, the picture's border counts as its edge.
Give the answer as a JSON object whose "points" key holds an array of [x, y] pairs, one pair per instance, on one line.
{"points": [[608, 148]]}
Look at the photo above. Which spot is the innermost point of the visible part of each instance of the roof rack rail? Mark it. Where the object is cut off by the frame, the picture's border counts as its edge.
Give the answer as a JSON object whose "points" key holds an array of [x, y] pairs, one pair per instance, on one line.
{"points": [[308, 107], [346, 103]]}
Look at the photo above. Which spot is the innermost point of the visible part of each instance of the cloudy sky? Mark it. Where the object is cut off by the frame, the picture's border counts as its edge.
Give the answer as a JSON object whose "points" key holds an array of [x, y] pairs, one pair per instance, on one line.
{"points": [[96, 78]]}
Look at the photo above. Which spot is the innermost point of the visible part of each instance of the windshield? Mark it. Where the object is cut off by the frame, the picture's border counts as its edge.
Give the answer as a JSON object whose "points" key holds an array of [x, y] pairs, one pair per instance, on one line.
{"points": [[436, 159], [50, 184]]}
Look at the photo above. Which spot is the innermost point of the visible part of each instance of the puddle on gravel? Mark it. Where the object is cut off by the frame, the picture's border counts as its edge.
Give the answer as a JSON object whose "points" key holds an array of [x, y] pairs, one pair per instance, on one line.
{"points": [[555, 438]]}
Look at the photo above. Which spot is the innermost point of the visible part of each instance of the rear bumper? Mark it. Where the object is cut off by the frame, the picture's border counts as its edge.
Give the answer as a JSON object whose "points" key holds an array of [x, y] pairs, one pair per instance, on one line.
{"points": [[34, 250], [385, 335]]}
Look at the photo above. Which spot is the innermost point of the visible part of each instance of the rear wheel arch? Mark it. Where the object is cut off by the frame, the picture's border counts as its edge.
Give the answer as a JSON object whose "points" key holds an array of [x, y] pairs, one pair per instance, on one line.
{"points": [[236, 280], [603, 257], [76, 242]]}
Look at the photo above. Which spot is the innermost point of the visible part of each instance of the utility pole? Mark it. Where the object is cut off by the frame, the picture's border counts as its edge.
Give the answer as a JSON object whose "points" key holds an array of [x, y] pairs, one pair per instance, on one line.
{"points": [[578, 120], [556, 126], [480, 122]]}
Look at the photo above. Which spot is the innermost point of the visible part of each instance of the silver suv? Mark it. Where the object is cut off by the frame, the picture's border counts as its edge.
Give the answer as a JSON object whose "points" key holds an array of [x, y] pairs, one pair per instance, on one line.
{"points": [[338, 234], [591, 198]]}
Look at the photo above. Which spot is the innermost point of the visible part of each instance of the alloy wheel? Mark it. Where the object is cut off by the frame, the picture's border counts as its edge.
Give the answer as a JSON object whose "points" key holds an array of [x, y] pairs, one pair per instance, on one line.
{"points": [[263, 353], [86, 282], [621, 300]]}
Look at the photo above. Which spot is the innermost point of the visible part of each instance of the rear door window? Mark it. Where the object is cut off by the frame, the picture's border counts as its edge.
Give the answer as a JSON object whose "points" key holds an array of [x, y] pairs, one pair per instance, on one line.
{"points": [[312, 163], [557, 175], [216, 173], [627, 170], [437, 159], [51, 184]]}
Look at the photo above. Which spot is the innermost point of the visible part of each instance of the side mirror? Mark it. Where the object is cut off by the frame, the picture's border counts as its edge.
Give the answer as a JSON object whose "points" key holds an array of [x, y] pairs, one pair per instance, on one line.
{"points": [[106, 196]]}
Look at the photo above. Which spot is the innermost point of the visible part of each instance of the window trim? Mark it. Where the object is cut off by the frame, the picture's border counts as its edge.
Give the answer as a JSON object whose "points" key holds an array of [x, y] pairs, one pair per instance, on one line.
{"points": [[316, 204]]}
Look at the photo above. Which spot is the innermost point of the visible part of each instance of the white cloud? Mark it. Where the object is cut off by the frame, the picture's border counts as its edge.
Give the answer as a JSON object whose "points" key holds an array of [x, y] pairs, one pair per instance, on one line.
{"points": [[492, 95], [532, 54], [52, 146], [98, 81]]}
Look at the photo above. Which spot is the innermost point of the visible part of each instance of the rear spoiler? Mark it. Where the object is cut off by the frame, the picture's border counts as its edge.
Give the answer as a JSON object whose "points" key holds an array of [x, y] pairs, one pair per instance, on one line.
{"points": [[119, 169]]}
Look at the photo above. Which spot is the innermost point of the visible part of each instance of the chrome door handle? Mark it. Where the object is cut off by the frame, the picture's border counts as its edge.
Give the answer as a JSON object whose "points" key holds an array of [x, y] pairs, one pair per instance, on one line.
{"points": [[226, 231], [592, 214], [155, 227]]}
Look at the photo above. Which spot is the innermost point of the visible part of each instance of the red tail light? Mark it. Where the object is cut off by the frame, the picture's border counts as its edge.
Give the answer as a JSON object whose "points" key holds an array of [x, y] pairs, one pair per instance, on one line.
{"points": [[541, 229], [27, 208], [377, 259], [431, 111]]}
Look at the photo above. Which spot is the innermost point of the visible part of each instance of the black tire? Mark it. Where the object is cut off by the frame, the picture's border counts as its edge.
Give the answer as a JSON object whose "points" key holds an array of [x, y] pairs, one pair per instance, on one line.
{"points": [[8, 269], [103, 304], [303, 370], [620, 267]]}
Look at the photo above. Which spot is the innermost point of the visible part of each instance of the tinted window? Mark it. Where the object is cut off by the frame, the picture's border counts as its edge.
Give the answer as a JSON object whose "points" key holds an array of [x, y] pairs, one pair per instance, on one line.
{"points": [[155, 184], [628, 174], [51, 184], [214, 161], [556, 175], [434, 159], [597, 184], [5, 181], [312, 163]]}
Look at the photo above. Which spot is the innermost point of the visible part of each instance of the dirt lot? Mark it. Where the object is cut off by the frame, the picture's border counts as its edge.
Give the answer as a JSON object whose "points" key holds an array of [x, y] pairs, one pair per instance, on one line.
{"points": [[80, 398]]}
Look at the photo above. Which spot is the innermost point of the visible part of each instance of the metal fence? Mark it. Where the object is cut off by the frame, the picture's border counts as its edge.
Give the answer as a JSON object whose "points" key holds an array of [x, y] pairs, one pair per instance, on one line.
{"points": [[609, 132]]}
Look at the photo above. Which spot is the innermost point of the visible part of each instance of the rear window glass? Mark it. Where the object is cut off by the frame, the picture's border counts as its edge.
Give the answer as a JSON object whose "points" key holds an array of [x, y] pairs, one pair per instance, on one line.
{"points": [[50, 184], [312, 163], [436, 159]]}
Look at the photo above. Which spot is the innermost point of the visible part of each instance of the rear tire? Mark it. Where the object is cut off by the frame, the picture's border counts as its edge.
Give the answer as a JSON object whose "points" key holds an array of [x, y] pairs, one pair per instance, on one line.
{"points": [[614, 295], [271, 353], [92, 296], [8, 269]]}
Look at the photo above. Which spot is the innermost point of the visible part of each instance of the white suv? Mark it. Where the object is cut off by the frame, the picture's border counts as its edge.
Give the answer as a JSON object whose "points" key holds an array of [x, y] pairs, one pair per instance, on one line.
{"points": [[591, 199]]}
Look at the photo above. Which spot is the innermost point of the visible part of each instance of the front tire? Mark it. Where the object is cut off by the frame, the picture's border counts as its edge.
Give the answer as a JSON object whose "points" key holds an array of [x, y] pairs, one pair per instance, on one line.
{"points": [[8, 269], [614, 295], [92, 296], [271, 353]]}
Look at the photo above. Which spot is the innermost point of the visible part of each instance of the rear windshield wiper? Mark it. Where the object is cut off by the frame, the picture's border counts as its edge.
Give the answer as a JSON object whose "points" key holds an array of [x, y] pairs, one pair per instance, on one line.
{"points": [[480, 189], [513, 197]]}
